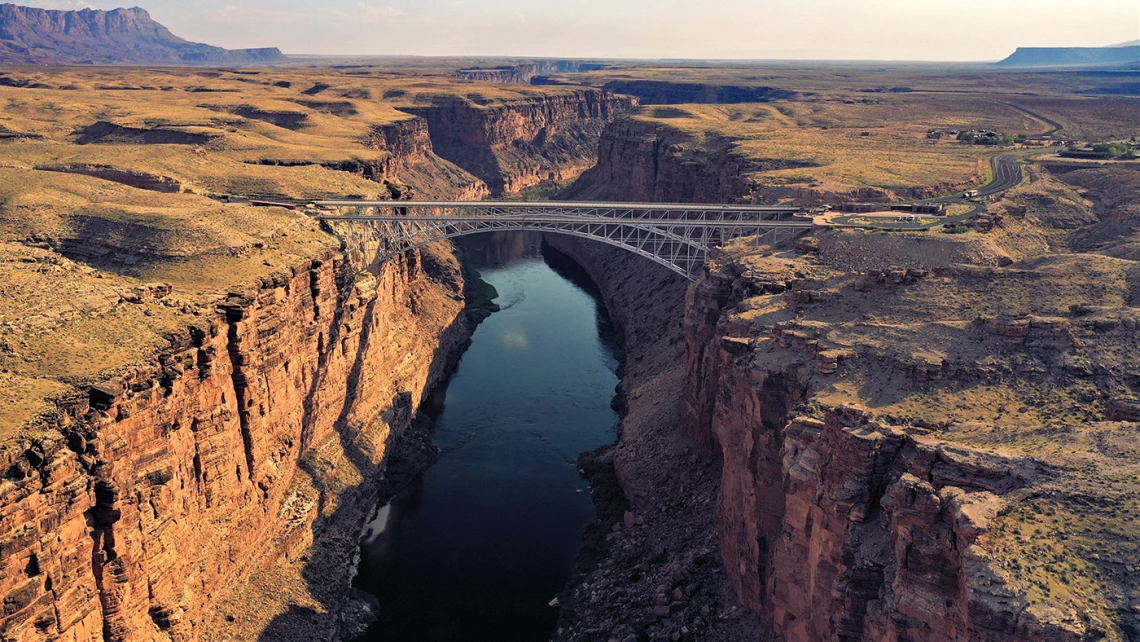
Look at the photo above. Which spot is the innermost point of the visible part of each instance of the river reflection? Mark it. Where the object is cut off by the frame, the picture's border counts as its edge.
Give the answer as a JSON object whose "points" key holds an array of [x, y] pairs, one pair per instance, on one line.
{"points": [[481, 542]]}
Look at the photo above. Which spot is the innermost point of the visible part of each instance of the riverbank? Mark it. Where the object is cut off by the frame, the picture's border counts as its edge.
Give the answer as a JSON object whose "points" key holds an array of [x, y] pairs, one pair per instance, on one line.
{"points": [[651, 571]]}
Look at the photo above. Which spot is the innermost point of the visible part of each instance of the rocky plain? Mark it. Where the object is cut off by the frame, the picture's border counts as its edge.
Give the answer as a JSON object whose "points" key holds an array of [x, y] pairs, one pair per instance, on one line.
{"points": [[856, 434]]}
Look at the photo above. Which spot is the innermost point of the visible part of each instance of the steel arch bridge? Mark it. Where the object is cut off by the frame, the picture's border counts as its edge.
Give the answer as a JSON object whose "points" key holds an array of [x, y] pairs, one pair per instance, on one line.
{"points": [[676, 236]]}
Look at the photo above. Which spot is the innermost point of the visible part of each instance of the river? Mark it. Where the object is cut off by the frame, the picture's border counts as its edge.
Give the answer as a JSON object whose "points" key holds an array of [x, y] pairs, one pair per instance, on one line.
{"points": [[483, 540]]}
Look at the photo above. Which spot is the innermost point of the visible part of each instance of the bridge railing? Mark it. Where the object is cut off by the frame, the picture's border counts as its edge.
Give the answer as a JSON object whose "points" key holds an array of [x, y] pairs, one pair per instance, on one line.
{"points": [[612, 211], [676, 236]]}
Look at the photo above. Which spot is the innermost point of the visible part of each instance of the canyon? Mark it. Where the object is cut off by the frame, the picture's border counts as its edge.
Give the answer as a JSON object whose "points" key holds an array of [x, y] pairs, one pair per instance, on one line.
{"points": [[515, 146], [847, 437], [526, 73], [835, 520], [155, 503], [241, 435]]}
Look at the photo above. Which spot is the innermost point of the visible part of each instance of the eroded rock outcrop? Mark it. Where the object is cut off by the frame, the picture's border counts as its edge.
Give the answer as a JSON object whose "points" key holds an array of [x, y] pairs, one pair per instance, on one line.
{"points": [[651, 567], [642, 161], [841, 524], [171, 482], [514, 145], [526, 73], [140, 180], [215, 485], [895, 426]]}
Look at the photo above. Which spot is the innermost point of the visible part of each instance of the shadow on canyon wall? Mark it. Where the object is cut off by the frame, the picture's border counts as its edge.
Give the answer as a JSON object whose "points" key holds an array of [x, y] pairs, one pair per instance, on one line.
{"points": [[346, 611]]}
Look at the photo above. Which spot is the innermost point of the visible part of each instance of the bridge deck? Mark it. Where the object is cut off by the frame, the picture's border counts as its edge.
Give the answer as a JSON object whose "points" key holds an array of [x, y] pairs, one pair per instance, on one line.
{"points": [[678, 236], [546, 218], [567, 205]]}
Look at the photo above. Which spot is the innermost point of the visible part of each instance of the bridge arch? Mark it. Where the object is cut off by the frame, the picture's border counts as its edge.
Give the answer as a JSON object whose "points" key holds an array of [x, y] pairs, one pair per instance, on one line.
{"points": [[686, 263], [678, 237]]}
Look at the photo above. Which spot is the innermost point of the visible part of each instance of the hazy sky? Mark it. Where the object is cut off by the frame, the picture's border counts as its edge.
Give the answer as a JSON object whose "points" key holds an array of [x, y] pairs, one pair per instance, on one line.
{"points": [[798, 29]]}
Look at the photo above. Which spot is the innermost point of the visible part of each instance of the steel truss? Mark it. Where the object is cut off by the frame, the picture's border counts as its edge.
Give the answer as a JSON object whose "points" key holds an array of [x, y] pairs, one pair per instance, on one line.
{"points": [[678, 237]]}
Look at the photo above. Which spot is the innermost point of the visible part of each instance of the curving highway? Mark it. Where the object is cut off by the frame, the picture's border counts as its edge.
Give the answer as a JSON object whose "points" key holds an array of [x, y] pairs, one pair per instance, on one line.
{"points": [[1007, 173]]}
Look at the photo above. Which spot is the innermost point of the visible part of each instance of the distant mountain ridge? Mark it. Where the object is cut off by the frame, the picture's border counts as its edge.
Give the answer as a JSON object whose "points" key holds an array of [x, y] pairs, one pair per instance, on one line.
{"points": [[1112, 56], [29, 35]]}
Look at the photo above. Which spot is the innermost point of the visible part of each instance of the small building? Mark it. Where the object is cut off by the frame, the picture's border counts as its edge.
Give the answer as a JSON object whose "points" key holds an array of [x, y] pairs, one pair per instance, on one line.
{"points": [[928, 208], [860, 207]]}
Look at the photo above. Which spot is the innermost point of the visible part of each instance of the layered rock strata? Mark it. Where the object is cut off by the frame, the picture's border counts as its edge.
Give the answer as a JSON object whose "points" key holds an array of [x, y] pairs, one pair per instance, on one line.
{"points": [[641, 161], [526, 73], [40, 36], [216, 489], [837, 523], [645, 160], [514, 145], [952, 511], [161, 487], [650, 568]]}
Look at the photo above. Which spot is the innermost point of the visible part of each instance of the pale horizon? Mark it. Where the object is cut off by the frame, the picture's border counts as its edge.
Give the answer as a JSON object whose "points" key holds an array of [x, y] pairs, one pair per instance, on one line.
{"points": [[823, 30]]}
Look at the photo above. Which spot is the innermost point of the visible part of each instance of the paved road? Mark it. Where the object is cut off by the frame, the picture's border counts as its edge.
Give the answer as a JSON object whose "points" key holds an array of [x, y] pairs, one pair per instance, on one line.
{"points": [[583, 219], [549, 206], [1048, 121], [1007, 174]]}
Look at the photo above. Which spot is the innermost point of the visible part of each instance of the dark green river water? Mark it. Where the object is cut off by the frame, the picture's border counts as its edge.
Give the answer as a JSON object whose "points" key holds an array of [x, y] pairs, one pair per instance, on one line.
{"points": [[488, 535]]}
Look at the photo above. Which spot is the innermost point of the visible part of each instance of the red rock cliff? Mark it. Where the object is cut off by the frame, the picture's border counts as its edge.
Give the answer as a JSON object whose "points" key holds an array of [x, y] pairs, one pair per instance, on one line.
{"points": [[129, 513], [642, 161], [832, 523], [843, 526], [517, 144], [141, 506], [165, 486]]}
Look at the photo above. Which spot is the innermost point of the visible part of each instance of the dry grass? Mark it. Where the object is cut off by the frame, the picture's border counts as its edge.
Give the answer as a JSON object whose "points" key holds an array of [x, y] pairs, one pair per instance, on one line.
{"points": [[858, 126], [861, 79], [66, 323], [927, 355], [323, 116], [839, 148]]}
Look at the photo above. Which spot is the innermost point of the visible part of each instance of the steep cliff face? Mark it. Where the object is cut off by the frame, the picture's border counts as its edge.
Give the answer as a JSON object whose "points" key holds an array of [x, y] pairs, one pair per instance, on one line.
{"points": [[30, 35], [216, 489], [514, 145], [147, 498], [410, 168], [839, 524], [673, 154], [407, 140], [656, 573], [413, 169], [505, 74], [135, 506], [909, 521], [526, 73], [653, 92], [642, 161]]}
